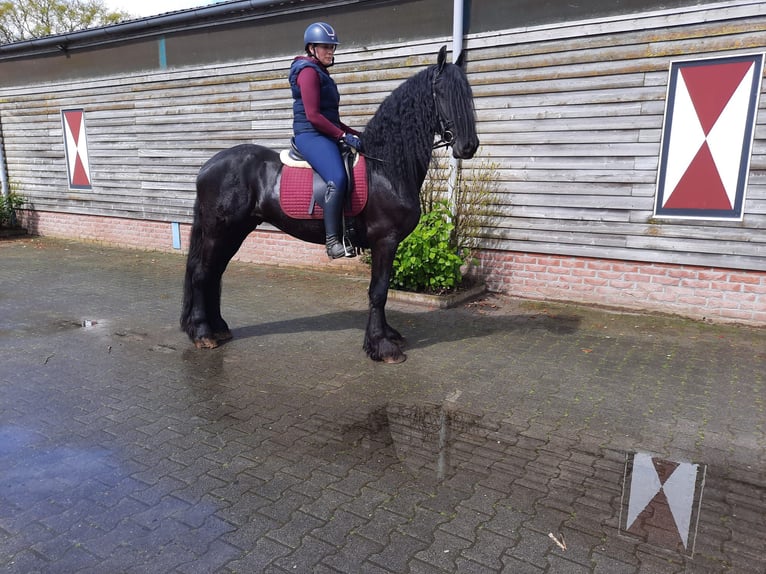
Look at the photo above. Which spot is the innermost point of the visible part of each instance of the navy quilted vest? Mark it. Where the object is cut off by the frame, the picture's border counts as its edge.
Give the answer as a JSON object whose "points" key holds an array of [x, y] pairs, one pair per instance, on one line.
{"points": [[329, 98]]}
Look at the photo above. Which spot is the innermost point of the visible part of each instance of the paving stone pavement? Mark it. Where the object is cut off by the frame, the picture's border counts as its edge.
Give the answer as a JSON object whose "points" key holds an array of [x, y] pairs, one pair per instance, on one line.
{"points": [[518, 437]]}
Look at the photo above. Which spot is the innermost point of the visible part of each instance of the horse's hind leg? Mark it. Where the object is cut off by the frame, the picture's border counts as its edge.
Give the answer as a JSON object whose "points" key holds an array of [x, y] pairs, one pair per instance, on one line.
{"points": [[194, 317], [209, 254], [221, 254]]}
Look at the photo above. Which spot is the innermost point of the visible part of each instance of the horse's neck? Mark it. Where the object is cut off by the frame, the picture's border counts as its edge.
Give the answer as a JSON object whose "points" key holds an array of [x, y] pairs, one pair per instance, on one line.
{"points": [[402, 131]]}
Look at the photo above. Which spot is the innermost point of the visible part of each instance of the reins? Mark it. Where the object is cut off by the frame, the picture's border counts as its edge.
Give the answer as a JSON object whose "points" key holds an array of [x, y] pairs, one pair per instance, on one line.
{"points": [[365, 154]]}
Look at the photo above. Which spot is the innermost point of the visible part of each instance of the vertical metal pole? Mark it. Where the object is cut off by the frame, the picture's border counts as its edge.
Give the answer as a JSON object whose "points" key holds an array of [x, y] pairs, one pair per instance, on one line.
{"points": [[458, 22]]}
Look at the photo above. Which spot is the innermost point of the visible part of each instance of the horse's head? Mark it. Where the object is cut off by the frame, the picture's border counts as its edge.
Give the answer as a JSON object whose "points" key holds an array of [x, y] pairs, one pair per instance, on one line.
{"points": [[453, 99]]}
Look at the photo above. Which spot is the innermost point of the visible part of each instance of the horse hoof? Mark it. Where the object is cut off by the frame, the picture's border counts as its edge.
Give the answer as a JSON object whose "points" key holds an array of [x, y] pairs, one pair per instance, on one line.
{"points": [[385, 350], [205, 343], [395, 360]]}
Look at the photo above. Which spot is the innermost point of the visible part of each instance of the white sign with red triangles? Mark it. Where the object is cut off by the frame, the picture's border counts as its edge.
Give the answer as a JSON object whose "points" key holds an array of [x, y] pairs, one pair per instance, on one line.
{"points": [[76, 147], [707, 138]]}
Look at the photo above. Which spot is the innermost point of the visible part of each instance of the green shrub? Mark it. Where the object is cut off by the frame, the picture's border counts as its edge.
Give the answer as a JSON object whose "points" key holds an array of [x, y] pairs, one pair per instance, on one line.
{"points": [[427, 259], [8, 206], [431, 257]]}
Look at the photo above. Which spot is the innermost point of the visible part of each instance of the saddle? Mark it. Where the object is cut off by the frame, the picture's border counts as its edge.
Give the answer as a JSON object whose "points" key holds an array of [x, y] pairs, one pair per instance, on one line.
{"points": [[300, 187]]}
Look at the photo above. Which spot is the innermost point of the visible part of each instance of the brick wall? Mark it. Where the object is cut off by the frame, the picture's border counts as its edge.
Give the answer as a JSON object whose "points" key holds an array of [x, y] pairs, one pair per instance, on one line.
{"points": [[267, 247], [724, 295]]}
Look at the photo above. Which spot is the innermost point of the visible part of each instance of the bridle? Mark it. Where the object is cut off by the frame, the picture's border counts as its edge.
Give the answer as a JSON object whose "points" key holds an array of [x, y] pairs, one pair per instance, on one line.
{"points": [[446, 127], [445, 132]]}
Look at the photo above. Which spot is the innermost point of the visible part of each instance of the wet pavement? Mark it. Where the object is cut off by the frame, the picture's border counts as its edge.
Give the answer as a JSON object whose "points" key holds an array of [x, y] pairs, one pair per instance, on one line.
{"points": [[518, 437]]}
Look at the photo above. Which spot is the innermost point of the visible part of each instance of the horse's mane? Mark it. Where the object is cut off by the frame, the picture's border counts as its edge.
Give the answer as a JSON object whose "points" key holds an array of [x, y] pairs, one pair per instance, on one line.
{"points": [[400, 134]]}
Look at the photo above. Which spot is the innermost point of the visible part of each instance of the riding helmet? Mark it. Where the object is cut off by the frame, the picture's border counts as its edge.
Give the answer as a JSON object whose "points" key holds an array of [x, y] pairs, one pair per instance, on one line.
{"points": [[320, 33]]}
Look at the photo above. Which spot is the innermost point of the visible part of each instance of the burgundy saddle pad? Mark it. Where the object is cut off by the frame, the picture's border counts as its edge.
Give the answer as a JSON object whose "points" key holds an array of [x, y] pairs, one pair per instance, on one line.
{"points": [[299, 185]]}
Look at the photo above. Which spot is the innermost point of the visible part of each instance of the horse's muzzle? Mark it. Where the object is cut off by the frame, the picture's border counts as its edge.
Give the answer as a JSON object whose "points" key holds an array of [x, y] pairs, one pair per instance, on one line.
{"points": [[465, 149]]}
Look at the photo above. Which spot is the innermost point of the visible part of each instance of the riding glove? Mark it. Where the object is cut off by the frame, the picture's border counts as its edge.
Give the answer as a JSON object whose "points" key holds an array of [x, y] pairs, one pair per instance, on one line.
{"points": [[352, 141]]}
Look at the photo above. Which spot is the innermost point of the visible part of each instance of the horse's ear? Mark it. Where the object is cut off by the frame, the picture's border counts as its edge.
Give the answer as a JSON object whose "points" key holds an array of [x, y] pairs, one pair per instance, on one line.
{"points": [[442, 59], [460, 62]]}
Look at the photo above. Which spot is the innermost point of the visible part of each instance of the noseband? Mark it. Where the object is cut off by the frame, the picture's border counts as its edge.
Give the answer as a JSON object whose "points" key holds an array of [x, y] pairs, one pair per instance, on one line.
{"points": [[445, 133]]}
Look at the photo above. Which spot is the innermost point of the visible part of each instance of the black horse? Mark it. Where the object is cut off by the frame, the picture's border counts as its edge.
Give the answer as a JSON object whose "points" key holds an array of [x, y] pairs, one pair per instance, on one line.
{"points": [[238, 189]]}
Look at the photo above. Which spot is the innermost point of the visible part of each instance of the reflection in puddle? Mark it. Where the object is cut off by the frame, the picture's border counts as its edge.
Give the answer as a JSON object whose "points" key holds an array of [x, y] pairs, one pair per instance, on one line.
{"points": [[645, 501], [32, 470], [424, 436], [431, 484], [661, 501]]}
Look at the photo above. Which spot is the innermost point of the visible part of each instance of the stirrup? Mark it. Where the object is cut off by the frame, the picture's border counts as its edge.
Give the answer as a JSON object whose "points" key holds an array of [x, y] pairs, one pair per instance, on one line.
{"points": [[348, 247], [348, 233], [337, 248]]}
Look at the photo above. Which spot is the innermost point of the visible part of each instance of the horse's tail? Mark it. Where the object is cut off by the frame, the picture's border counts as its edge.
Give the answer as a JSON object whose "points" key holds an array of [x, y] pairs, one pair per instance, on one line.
{"points": [[192, 260]]}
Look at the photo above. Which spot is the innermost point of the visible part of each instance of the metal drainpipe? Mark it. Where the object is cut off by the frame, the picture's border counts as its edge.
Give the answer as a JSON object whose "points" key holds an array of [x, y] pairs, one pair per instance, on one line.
{"points": [[458, 21]]}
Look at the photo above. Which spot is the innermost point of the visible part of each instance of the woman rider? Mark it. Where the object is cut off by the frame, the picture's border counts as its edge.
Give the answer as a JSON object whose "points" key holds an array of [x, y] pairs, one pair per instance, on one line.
{"points": [[318, 130]]}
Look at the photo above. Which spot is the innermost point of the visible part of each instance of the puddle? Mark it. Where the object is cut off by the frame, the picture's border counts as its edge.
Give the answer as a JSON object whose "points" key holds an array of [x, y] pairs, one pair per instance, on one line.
{"points": [[85, 324], [419, 482], [63, 325], [637, 500]]}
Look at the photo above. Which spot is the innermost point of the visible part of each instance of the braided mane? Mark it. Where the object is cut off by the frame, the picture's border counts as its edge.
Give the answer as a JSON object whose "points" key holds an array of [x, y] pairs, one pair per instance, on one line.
{"points": [[401, 132]]}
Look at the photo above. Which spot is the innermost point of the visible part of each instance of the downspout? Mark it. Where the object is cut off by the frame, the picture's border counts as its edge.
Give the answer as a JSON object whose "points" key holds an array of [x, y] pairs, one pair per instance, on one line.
{"points": [[458, 22]]}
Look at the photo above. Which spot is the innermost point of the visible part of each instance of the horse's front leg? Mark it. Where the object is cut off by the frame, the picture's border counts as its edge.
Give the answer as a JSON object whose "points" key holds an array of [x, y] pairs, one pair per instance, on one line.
{"points": [[381, 341]]}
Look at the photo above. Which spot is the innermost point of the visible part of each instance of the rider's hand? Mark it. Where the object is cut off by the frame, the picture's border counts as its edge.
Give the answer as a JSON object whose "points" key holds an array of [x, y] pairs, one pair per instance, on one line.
{"points": [[352, 141]]}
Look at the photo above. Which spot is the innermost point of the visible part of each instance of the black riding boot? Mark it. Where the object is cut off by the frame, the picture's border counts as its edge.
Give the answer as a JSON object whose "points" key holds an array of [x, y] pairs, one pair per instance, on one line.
{"points": [[333, 206]]}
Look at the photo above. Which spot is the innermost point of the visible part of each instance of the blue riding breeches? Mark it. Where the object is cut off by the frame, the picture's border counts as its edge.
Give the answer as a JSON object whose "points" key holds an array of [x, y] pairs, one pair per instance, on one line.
{"points": [[324, 156]]}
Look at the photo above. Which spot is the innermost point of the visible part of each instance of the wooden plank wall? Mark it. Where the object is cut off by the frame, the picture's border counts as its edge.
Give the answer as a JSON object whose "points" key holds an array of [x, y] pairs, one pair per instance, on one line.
{"points": [[571, 115], [148, 134]]}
